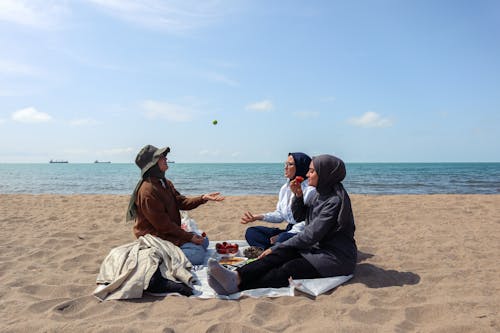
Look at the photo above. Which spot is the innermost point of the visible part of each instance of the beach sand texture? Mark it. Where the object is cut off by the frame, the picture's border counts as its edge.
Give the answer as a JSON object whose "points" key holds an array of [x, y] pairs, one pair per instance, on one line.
{"points": [[427, 263]]}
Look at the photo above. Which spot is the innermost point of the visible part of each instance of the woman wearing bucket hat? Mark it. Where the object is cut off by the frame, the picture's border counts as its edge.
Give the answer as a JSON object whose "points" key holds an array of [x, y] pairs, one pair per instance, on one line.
{"points": [[155, 205], [325, 248]]}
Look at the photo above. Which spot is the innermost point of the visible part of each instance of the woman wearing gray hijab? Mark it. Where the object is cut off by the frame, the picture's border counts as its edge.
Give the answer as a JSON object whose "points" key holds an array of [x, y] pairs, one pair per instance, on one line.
{"points": [[325, 248]]}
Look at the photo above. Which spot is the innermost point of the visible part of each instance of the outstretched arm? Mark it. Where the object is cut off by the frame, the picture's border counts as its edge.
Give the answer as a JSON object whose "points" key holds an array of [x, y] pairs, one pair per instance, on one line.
{"points": [[214, 196], [249, 217]]}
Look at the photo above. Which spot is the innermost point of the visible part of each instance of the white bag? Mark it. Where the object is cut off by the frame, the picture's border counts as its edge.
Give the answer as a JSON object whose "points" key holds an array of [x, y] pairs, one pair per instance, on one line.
{"points": [[189, 224]]}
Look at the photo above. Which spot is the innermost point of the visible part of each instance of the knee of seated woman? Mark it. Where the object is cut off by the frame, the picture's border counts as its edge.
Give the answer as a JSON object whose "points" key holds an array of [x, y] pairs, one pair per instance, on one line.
{"points": [[195, 253], [284, 236]]}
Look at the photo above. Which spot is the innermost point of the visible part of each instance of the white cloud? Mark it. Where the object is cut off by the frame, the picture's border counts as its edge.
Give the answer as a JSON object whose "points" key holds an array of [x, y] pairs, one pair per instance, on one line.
{"points": [[306, 114], [35, 13], [30, 115], [261, 106], [167, 111], [83, 122], [2, 121], [171, 16], [370, 119]]}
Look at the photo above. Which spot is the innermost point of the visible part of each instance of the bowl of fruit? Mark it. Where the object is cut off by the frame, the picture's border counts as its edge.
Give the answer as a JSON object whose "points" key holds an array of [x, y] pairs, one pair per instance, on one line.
{"points": [[227, 249]]}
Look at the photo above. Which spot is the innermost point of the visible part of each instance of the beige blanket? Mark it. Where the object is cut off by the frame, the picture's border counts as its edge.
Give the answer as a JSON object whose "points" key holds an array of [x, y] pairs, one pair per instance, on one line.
{"points": [[126, 271]]}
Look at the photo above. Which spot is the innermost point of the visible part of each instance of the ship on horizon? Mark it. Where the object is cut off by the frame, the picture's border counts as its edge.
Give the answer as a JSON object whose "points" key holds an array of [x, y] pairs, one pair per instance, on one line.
{"points": [[97, 161], [58, 161]]}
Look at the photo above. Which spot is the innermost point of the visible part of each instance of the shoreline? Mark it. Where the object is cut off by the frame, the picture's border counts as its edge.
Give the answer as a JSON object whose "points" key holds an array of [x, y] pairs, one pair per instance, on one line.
{"points": [[426, 263]]}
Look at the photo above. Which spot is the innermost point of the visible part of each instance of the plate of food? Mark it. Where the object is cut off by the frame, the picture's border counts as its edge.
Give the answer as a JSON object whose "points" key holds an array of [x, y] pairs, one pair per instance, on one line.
{"points": [[232, 262]]}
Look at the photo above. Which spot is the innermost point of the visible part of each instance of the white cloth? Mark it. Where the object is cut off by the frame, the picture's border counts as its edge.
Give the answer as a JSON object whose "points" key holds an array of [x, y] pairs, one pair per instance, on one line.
{"points": [[297, 227], [283, 210], [126, 271], [313, 287]]}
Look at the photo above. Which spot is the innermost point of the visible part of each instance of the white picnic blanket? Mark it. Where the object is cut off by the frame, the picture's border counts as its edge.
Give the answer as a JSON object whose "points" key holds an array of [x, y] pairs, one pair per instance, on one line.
{"points": [[313, 287]]}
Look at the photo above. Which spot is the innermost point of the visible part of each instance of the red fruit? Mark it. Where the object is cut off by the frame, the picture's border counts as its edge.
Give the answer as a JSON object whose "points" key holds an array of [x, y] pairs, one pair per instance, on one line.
{"points": [[232, 248], [203, 234], [226, 248], [299, 179]]}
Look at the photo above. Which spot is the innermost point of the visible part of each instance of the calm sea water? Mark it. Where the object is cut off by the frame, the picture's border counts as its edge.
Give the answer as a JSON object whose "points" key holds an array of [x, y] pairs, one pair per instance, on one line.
{"points": [[250, 178]]}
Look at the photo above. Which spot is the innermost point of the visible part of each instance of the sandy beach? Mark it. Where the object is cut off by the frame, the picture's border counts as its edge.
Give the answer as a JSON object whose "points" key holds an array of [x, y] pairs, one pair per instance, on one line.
{"points": [[427, 263]]}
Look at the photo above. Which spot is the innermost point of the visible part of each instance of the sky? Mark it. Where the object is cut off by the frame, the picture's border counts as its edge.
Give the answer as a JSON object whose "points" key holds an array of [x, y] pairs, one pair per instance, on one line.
{"points": [[367, 81]]}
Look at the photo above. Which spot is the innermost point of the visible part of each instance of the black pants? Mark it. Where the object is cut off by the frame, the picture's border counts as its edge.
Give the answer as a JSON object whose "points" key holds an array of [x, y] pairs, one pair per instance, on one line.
{"points": [[273, 270], [159, 284]]}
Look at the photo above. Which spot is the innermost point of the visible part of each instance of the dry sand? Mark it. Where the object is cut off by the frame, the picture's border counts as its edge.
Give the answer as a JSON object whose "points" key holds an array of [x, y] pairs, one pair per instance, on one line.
{"points": [[428, 263]]}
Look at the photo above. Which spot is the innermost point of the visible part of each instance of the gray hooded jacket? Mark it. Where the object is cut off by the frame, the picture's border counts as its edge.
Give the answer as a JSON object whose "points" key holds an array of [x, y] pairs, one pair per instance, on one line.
{"points": [[327, 241]]}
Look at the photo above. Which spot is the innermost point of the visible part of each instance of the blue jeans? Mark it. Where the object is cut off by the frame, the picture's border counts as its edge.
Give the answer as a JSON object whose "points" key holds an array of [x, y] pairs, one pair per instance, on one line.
{"points": [[260, 236], [195, 253]]}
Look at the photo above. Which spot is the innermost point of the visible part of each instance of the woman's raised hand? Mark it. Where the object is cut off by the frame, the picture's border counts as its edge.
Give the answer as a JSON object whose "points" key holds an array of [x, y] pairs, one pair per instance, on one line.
{"points": [[247, 218], [198, 240], [296, 188], [214, 196]]}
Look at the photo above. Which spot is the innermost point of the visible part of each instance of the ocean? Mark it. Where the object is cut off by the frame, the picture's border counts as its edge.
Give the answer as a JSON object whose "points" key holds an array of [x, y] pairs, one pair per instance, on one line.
{"points": [[249, 178]]}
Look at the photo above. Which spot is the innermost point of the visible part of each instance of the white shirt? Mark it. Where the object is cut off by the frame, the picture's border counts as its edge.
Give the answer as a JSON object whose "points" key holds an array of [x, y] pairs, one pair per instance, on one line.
{"points": [[283, 210]]}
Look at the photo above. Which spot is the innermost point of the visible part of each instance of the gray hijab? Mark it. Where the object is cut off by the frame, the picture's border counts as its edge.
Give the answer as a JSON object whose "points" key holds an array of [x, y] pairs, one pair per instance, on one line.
{"points": [[331, 172]]}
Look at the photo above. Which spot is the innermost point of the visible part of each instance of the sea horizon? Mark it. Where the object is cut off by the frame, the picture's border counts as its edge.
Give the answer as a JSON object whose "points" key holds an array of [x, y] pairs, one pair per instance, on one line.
{"points": [[250, 178], [280, 162]]}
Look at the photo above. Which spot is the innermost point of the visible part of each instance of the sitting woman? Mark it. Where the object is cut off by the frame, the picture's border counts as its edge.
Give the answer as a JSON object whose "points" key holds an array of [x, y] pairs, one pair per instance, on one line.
{"points": [[155, 205], [325, 248], [264, 237]]}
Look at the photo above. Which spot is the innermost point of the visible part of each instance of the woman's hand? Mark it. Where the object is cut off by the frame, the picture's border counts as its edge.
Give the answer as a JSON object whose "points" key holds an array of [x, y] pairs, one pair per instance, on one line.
{"points": [[273, 239], [296, 188], [248, 217], [214, 196], [198, 240], [265, 253]]}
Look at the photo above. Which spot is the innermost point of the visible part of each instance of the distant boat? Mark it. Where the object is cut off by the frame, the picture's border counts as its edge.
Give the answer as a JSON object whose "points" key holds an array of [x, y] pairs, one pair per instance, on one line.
{"points": [[170, 161], [96, 161], [57, 161]]}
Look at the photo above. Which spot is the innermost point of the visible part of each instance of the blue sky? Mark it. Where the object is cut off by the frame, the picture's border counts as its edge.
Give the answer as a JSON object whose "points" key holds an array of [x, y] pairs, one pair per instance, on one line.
{"points": [[368, 81]]}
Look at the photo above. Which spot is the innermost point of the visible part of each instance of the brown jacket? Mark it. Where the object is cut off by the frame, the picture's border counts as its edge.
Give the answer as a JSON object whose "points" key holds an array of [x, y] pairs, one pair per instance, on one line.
{"points": [[158, 211]]}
